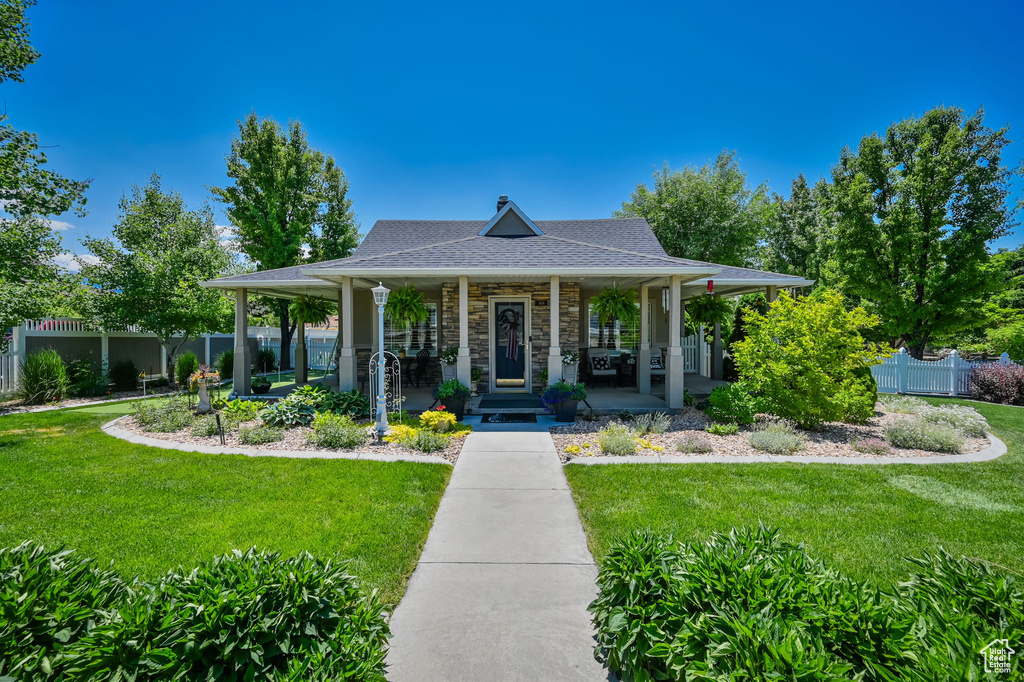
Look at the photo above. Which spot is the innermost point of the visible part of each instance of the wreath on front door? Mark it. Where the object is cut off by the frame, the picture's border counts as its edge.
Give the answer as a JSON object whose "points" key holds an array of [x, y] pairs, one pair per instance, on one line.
{"points": [[510, 320]]}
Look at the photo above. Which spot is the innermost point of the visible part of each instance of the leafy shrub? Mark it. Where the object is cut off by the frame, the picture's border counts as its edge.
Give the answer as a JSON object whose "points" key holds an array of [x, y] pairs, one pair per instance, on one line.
{"points": [[748, 606], [324, 399], [205, 426], [259, 434], [225, 364], [805, 357], [778, 439], [85, 379], [124, 374], [48, 600], [995, 383], [241, 616], [964, 419], [720, 429], [453, 390], [288, 412], [872, 446], [903, 404], [426, 440], [162, 415], [237, 411], [265, 360], [617, 439], [400, 433], [694, 443], [915, 434], [732, 403], [185, 365], [43, 378], [437, 420], [652, 422], [337, 432]]}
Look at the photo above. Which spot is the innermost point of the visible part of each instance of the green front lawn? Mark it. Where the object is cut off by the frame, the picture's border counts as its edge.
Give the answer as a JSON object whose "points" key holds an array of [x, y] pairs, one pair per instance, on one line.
{"points": [[64, 482], [863, 519]]}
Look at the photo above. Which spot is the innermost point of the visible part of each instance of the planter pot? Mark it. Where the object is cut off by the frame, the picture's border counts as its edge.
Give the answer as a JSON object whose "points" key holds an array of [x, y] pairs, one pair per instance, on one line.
{"points": [[570, 373], [261, 389], [458, 408], [566, 411], [448, 371]]}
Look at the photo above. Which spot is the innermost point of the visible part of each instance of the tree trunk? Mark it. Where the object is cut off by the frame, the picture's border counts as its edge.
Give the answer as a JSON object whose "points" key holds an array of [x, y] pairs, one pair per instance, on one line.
{"points": [[916, 351], [286, 336]]}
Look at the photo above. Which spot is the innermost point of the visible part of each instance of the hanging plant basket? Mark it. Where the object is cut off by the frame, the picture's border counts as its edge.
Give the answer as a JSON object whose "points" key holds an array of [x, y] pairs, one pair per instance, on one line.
{"points": [[614, 304]]}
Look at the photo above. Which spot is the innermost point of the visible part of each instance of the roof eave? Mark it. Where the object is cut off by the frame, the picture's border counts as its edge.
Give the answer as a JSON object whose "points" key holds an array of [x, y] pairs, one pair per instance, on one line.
{"points": [[663, 271]]}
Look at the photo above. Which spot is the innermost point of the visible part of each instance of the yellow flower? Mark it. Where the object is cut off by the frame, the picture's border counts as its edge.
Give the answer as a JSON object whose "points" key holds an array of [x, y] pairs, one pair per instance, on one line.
{"points": [[573, 450]]}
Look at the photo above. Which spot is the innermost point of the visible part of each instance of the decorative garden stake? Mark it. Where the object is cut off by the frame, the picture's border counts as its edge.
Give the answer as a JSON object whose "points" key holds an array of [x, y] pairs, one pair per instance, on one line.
{"points": [[380, 297]]}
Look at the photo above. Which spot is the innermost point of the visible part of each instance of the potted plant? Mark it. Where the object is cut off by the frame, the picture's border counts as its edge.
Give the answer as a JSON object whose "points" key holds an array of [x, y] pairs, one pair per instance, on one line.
{"points": [[475, 374], [448, 357], [260, 385], [570, 365], [453, 394], [614, 304], [562, 399], [405, 306]]}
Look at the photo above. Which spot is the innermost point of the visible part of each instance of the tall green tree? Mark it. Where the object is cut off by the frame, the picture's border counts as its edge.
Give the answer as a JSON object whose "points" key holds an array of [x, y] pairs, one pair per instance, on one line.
{"points": [[16, 52], [150, 273], [798, 240], [288, 202], [29, 193], [915, 212], [707, 213]]}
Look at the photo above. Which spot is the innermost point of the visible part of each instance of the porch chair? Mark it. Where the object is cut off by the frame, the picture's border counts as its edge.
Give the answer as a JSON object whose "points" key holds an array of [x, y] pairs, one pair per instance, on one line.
{"points": [[422, 367], [599, 364], [657, 365]]}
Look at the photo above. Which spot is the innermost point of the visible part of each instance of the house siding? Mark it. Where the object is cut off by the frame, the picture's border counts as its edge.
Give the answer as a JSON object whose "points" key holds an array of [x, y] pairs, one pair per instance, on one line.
{"points": [[540, 320]]}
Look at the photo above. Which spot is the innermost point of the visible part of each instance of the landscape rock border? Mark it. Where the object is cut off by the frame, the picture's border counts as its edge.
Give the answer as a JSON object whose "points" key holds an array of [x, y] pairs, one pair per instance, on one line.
{"points": [[111, 429], [995, 450]]}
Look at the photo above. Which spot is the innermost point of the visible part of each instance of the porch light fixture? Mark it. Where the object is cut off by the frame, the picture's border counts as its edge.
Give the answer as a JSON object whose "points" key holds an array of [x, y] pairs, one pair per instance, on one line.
{"points": [[664, 298], [380, 297]]}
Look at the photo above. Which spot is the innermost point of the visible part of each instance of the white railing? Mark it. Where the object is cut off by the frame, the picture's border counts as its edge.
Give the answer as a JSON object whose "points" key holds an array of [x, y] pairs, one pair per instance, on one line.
{"points": [[318, 353], [696, 354], [949, 376], [8, 373]]}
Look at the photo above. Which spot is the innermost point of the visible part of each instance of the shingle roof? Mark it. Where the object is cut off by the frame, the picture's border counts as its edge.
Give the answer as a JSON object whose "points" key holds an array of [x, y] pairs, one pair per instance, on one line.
{"points": [[608, 242]]}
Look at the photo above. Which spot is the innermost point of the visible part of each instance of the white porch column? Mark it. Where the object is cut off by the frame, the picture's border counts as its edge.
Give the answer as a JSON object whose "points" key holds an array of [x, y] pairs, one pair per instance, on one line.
{"points": [[104, 353], [555, 349], [301, 371], [348, 371], [717, 351], [772, 293], [643, 361], [243, 363], [464, 365], [675, 364]]}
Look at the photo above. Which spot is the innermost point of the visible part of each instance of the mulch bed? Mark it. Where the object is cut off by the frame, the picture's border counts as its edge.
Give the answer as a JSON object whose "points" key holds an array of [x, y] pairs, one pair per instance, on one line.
{"points": [[296, 438], [831, 439]]}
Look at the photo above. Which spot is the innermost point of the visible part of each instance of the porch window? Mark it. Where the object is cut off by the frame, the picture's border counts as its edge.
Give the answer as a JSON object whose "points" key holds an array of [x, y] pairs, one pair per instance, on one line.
{"points": [[616, 336], [412, 338]]}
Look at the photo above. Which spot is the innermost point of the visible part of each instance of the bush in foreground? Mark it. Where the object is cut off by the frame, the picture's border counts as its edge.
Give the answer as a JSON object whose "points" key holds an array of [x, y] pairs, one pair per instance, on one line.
{"points": [[732, 404], [617, 439], [252, 615], [749, 606], [337, 432], [163, 416], [259, 434], [778, 439]]}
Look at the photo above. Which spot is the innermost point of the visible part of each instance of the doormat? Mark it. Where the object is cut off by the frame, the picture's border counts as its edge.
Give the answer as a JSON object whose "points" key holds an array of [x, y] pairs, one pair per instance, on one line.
{"points": [[493, 402], [515, 418]]}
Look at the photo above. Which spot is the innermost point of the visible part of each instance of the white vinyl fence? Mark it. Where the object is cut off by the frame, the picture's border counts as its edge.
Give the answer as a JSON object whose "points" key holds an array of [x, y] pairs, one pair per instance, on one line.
{"points": [[696, 354], [950, 376]]}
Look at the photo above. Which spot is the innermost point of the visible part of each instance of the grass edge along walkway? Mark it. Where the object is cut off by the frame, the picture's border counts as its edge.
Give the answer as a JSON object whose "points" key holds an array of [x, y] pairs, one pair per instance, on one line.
{"points": [[64, 482], [862, 519]]}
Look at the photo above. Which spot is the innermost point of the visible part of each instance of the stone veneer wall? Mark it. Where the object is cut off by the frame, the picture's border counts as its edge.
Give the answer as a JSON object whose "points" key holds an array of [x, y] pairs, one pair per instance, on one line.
{"points": [[540, 319]]}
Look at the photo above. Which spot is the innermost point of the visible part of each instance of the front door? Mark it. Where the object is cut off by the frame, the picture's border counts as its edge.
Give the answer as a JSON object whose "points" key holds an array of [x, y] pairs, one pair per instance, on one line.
{"points": [[510, 344]]}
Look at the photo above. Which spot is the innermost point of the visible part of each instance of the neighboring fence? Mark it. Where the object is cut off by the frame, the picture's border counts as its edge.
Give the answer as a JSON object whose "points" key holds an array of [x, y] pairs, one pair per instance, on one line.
{"points": [[696, 354], [950, 376]]}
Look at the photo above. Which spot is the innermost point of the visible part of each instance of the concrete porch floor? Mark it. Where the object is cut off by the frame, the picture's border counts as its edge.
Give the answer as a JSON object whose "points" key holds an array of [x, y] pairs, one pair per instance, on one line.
{"points": [[602, 398]]}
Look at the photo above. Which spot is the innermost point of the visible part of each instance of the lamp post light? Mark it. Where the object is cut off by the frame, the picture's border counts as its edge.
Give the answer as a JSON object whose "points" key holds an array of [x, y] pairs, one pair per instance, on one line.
{"points": [[380, 297]]}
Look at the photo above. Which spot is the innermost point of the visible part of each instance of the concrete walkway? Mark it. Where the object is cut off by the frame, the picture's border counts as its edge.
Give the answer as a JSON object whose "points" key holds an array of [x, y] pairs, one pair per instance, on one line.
{"points": [[503, 585]]}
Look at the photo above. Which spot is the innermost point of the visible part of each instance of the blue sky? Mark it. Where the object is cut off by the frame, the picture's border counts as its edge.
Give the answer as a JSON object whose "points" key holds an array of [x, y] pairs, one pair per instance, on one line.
{"points": [[433, 109]]}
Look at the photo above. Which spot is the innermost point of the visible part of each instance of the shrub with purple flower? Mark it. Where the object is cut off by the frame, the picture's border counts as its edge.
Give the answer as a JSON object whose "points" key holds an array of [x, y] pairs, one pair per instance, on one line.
{"points": [[995, 383]]}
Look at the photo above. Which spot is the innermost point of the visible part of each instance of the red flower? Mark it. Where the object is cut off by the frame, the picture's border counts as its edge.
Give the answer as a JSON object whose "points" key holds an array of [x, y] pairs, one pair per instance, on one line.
{"points": [[440, 408]]}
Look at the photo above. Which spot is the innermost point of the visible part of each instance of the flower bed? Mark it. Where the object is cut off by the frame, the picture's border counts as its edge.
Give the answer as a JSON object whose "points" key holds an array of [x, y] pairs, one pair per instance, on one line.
{"points": [[831, 439], [315, 420]]}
